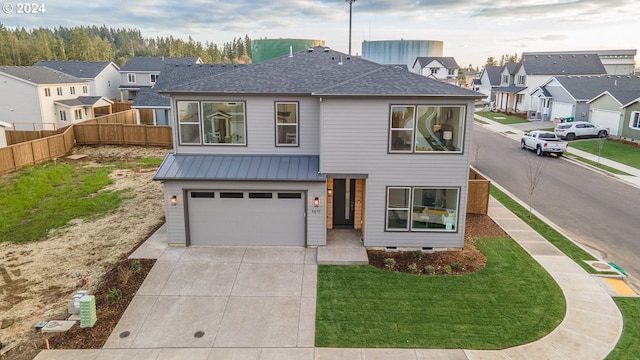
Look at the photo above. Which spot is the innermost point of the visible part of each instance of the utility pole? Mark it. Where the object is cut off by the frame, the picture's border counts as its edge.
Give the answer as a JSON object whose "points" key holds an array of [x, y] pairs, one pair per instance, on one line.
{"points": [[350, 16]]}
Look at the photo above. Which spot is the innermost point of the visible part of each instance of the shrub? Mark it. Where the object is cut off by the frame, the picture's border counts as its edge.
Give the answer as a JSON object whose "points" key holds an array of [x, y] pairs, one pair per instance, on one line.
{"points": [[417, 254], [390, 263], [124, 274], [447, 269], [135, 265], [429, 269], [412, 268], [457, 267], [114, 294]]}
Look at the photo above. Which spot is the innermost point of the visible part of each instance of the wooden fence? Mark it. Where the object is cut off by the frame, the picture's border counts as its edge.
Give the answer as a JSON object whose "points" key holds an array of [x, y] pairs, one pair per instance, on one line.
{"points": [[479, 191], [17, 156], [122, 134]]}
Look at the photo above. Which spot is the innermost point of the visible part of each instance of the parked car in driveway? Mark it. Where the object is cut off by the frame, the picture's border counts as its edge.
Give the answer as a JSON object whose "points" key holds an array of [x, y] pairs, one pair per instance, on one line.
{"points": [[543, 142], [580, 129]]}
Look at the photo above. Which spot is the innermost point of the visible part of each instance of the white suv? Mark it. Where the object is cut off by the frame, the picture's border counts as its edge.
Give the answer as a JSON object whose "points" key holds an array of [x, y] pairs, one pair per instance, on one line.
{"points": [[578, 129]]}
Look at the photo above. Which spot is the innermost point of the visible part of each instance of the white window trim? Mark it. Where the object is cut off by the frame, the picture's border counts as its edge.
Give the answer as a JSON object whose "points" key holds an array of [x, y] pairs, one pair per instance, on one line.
{"points": [[635, 114], [153, 78], [297, 124], [131, 76]]}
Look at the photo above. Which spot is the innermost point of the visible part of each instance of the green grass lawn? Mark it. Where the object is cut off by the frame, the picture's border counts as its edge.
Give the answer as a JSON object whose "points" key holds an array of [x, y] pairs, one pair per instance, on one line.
{"points": [[628, 346], [46, 197], [511, 301], [554, 237], [622, 153], [596, 165], [501, 118]]}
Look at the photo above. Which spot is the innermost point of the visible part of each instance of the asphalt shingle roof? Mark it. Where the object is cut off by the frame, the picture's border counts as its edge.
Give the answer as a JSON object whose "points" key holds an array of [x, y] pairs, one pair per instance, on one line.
{"points": [[584, 88], [240, 167], [79, 69], [322, 72], [563, 64], [150, 63], [40, 75], [493, 72], [447, 62]]}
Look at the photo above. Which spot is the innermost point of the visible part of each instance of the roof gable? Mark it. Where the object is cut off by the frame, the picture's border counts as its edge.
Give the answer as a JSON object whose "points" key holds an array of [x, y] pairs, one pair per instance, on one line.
{"points": [[39, 75], [79, 69], [562, 64], [447, 62], [585, 88]]}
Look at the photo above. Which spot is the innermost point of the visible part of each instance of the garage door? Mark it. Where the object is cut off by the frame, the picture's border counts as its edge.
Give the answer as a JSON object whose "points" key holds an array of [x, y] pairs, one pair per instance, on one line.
{"points": [[245, 218], [608, 119], [561, 110]]}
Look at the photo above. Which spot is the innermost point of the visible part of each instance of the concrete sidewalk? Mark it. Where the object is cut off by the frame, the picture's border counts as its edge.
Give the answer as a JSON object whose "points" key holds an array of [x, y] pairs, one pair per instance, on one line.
{"points": [[515, 131]]}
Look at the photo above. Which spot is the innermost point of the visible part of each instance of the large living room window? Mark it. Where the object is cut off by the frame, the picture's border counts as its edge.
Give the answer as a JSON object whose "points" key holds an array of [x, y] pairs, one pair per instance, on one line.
{"points": [[286, 124], [211, 123], [425, 128], [422, 209]]}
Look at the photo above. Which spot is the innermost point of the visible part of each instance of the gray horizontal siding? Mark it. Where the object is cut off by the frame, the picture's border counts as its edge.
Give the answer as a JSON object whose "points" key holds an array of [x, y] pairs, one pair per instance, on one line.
{"points": [[260, 117]]}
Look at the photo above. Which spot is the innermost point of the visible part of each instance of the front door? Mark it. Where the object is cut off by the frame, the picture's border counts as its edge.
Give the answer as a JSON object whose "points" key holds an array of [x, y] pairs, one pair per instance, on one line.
{"points": [[344, 197]]}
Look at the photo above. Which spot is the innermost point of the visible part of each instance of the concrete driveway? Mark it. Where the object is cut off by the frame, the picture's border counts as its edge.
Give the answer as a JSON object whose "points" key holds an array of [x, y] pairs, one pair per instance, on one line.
{"points": [[223, 297]]}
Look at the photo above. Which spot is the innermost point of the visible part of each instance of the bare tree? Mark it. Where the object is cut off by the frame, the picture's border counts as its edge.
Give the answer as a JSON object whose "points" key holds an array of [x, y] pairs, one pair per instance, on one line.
{"points": [[533, 171]]}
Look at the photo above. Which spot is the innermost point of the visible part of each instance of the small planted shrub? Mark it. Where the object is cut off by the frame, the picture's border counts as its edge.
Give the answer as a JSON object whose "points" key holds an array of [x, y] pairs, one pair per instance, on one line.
{"points": [[125, 274], [429, 270], [412, 268], [417, 254], [447, 269], [136, 266], [390, 263], [114, 294], [457, 267]]}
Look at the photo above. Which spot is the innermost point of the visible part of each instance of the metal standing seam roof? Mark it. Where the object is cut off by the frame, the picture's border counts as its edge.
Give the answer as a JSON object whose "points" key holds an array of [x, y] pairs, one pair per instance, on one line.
{"points": [[240, 167]]}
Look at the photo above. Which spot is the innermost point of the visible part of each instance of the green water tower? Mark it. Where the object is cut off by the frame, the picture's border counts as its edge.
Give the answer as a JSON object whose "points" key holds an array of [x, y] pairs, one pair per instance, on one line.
{"points": [[265, 49]]}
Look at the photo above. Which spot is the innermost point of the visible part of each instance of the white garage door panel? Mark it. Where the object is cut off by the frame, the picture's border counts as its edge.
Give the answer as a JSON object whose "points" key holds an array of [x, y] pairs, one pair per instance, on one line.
{"points": [[561, 110], [608, 119], [247, 221]]}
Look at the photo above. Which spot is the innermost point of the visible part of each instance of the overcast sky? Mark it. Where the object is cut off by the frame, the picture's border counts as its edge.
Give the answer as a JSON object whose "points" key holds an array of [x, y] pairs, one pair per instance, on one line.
{"points": [[472, 30]]}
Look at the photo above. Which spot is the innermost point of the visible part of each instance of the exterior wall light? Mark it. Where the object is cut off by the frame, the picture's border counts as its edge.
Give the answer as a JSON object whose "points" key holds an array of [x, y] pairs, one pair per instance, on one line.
{"points": [[316, 201], [330, 192], [174, 200]]}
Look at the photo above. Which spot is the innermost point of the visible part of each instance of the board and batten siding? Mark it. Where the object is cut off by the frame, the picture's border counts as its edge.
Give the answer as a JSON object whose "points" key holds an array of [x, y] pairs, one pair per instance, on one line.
{"points": [[176, 215], [261, 124], [355, 137]]}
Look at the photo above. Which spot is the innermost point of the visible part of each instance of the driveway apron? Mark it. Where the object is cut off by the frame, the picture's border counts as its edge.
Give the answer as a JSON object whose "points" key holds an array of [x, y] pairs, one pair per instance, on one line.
{"points": [[223, 297]]}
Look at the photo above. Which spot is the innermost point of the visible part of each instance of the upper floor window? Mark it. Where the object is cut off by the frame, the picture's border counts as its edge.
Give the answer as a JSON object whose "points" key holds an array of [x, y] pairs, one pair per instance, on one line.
{"points": [[212, 123], [434, 70], [286, 124], [635, 120], [422, 209], [505, 79], [425, 128], [72, 90], [522, 79], [452, 72], [131, 78], [59, 91], [77, 114], [85, 89], [154, 78], [47, 92]]}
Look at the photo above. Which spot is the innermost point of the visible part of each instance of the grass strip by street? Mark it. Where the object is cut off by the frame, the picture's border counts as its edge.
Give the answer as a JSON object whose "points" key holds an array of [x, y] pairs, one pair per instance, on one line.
{"points": [[596, 165], [612, 150], [46, 197], [502, 118], [628, 345], [362, 306], [563, 244]]}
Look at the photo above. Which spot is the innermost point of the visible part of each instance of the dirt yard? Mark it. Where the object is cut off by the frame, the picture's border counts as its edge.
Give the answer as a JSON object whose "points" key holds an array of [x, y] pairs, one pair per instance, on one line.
{"points": [[37, 279]]}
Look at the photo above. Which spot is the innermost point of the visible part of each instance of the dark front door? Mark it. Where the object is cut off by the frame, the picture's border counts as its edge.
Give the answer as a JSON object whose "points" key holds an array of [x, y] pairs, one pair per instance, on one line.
{"points": [[344, 197]]}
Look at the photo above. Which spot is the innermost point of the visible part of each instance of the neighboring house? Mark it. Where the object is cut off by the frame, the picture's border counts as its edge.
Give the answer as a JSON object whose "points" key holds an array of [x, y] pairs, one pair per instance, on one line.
{"points": [[173, 75], [619, 110], [142, 72], [41, 98], [490, 78], [279, 152], [103, 76], [471, 78], [440, 68], [569, 96], [3, 136], [534, 69], [508, 96]]}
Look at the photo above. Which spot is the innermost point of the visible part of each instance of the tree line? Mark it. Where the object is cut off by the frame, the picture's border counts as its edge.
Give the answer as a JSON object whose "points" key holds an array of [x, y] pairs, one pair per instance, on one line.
{"points": [[92, 43]]}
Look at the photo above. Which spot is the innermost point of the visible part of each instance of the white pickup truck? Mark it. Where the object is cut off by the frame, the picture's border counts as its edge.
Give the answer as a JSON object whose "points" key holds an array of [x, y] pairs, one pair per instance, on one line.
{"points": [[543, 142]]}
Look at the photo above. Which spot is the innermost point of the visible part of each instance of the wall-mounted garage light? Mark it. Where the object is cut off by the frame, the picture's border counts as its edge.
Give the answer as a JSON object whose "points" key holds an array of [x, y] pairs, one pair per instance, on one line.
{"points": [[316, 201], [174, 200], [330, 192]]}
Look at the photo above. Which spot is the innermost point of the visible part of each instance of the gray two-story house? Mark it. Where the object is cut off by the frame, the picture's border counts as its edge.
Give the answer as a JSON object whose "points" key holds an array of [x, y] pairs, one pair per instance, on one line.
{"points": [[142, 72], [279, 153]]}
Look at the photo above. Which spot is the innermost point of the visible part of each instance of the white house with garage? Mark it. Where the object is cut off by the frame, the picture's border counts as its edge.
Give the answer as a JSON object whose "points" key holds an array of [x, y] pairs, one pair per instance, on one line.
{"points": [[282, 152], [441, 68]]}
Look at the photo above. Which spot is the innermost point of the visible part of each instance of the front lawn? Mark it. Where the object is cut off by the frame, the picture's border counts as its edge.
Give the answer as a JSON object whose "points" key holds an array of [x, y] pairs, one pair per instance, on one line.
{"points": [[512, 301], [612, 150], [501, 118], [628, 346]]}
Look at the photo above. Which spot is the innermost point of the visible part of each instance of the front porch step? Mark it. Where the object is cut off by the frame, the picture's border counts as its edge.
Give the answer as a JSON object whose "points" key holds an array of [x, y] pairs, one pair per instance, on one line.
{"points": [[342, 256]]}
